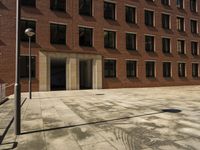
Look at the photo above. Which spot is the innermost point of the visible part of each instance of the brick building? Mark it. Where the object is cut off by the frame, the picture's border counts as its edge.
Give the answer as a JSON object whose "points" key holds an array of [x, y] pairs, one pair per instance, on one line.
{"points": [[92, 44]]}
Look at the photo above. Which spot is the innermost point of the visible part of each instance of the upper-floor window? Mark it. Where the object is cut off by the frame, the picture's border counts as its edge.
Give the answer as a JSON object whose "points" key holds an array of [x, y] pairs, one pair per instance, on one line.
{"points": [[193, 26], [24, 65], [24, 25], [180, 24], [110, 39], [165, 2], [31, 3], [166, 69], [85, 7], [149, 18], [110, 68], [59, 5], [193, 5], [131, 69], [150, 69], [130, 41], [130, 14], [85, 36], [194, 48], [181, 70], [149, 43], [57, 34], [109, 10], [180, 4], [166, 21], [195, 70], [166, 45], [181, 46]]}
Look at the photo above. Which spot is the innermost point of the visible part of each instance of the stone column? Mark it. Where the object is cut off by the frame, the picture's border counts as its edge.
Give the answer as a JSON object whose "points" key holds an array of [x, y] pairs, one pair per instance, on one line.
{"points": [[97, 73]]}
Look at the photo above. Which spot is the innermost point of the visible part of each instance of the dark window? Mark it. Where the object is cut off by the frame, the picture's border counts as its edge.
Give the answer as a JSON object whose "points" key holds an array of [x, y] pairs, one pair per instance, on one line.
{"points": [[194, 48], [181, 69], [181, 46], [180, 24], [31, 3], [109, 10], [150, 69], [85, 7], [166, 69], [24, 25], [130, 41], [193, 5], [149, 43], [131, 69], [149, 18], [110, 39], [85, 36], [165, 2], [58, 34], [24, 66], [130, 14], [166, 45], [59, 5], [179, 4], [110, 68], [193, 26], [195, 70], [165, 21]]}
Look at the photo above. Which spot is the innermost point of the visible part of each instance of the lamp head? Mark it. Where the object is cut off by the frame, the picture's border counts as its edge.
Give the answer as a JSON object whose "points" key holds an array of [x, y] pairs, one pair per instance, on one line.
{"points": [[29, 32]]}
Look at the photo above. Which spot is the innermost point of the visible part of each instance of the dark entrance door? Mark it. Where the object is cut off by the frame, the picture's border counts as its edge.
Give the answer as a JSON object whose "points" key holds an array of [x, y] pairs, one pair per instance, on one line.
{"points": [[58, 74], [85, 74]]}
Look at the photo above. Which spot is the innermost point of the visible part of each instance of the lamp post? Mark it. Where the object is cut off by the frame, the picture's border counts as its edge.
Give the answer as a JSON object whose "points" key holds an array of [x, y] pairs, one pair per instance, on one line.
{"points": [[29, 32]]}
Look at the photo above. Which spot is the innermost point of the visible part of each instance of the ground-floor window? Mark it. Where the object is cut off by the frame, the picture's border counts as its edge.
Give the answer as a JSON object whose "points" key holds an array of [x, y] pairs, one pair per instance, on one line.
{"points": [[166, 69], [181, 70], [150, 69], [131, 69], [195, 70], [110, 68], [24, 66]]}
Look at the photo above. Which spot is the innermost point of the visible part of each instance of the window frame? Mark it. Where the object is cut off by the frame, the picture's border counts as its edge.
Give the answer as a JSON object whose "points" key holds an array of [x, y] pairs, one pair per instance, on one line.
{"points": [[92, 36], [170, 74], [114, 18], [90, 14], [154, 72], [115, 68], [153, 21], [136, 68], [115, 41]]}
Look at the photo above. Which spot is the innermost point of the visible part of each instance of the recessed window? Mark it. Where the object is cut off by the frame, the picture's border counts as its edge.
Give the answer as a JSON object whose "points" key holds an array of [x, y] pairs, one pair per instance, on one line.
{"points": [[58, 5], [30, 3], [193, 5], [150, 69], [149, 43], [110, 39], [85, 7], [195, 70], [131, 69], [180, 4], [194, 48], [24, 25], [58, 34], [110, 68], [109, 10], [149, 18], [130, 14], [181, 46], [181, 70], [24, 66], [85, 36], [193, 26], [166, 69], [166, 45], [180, 24], [165, 2], [165, 21], [130, 41]]}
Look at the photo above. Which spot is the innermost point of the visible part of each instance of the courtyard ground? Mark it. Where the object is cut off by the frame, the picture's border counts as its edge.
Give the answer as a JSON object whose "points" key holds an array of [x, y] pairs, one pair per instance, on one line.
{"points": [[164, 118]]}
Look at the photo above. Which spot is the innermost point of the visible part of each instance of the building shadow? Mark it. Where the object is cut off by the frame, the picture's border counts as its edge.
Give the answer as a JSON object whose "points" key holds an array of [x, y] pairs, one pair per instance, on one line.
{"points": [[31, 10]]}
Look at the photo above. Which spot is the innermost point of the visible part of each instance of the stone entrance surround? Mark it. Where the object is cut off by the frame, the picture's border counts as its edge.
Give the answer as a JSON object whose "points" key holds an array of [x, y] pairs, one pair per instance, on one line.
{"points": [[72, 69]]}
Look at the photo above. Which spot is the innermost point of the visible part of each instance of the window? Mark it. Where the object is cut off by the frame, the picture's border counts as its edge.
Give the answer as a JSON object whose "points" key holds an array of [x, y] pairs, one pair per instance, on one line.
{"points": [[110, 68], [130, 41], [31, 3], [59, 5], [165, 21], [166, 69], [181, 46], [24, 66], [110, 39], [150, 69], [149, 43], [193, 5], [24, 25], [195, 70], [194, 48], [58, 33], [181, 70], [130, 14], [179, 4], [166, 45], [180, 24], [149, 18], [165, 2], [85, 7], [193, 26], [109, 10], [85, 37], [131, 69]]}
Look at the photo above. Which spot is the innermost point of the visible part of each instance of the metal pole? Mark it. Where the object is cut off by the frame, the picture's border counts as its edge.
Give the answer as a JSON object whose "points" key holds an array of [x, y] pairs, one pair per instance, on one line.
{"points": [[17, 89], [30, 89]]}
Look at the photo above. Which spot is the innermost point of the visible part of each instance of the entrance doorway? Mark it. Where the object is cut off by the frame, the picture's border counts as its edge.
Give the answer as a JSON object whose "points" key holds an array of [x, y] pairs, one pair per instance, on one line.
{"points": [[85, 74], [58, 74]]}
